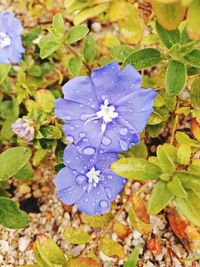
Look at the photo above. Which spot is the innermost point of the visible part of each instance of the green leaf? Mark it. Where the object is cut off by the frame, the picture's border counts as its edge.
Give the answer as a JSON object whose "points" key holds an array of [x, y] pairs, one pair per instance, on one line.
{"points": [[45, 99], [137, 169], [169, 38], [76, 33], [48, 254], [39, 156], [83, 262], [144, 58], [88, 13], [169, 15], [12, 160], [10, 214], [176, 187], [34, 71], [90, 49], [195, 93], [111, 248], [133, 258], [25, 173], [159, 115], [193, 20], [190, 207], [184, 154], [4, 69], [31, 36], [74, 65], [48, 45], [183, 138], [50, 132], [166, 159], [58, 25], [96, 220], [9, 110], [175, 77], [159, 198], [121, 52], [193, 58], [76, 236]]}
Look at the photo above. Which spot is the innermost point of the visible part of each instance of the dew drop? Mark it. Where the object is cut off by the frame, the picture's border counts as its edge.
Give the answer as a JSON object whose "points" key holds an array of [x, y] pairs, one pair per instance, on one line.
{"points": [[123, 145], [103, 97], [85, 139], [70, 138], [68, 117], [123, 131], [106, 141], [103, 203], [81, 179], [89, 151], [108, 192], [86, 199], [82, 135], [74, 172], [110, 176]]}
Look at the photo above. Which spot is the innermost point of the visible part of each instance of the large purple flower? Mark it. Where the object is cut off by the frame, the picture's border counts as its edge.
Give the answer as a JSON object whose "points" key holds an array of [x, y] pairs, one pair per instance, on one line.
{"points": [[11, 48], [88, 181], [107, 110]]}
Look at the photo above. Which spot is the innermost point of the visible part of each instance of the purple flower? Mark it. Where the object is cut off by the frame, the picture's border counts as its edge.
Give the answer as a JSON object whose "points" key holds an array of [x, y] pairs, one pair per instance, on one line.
{"points": [[24, 129], [11, 48], [107, 110], [88, 181]]}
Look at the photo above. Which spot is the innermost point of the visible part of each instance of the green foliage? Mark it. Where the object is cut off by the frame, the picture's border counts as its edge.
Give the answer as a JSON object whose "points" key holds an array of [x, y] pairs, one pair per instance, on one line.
{"points": [[76, 33], [10, 214], [175, 77], [12, 161], [143, 58], [76, 236], [111, 248], [48, 254], [133, 258]]}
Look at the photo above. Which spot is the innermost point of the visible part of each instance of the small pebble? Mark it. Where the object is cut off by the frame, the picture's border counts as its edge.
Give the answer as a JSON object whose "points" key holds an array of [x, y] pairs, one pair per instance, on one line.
{"points": [[23, 243]]}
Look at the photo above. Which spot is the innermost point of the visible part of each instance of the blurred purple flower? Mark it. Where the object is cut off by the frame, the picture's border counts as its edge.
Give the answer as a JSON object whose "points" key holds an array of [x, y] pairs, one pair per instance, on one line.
{"points": [[11, 48], [24, 129], [88, 181], [106, 111]]}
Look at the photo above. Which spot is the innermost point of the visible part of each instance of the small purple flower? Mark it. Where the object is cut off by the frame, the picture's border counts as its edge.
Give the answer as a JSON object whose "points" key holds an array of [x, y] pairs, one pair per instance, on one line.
{"points": [[88, 181], [106, 111], [24, 129], [11, 48]]}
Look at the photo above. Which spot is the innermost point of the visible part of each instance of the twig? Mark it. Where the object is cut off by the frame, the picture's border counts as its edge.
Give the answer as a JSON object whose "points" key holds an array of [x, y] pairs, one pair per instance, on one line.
{"points": [[107, 229]]}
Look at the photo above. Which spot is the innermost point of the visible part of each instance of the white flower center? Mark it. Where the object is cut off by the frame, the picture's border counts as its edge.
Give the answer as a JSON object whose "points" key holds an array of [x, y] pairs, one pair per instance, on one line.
{"points": [[4, 40], [106, 112], [94, 176]]}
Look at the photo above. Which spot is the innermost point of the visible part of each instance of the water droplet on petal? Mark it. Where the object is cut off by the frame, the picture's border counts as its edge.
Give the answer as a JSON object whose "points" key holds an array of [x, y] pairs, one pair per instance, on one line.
{"points": [[70, 138], [86, 199], [110, 176], [81, 179], [85, 139], [74, 172], [82, 135], [123, 145], [108, 192], [93, 204], [68, 117], [123, 131], [106, 141], [69, 189], [103, 97], [103, 203], [89, 151]]}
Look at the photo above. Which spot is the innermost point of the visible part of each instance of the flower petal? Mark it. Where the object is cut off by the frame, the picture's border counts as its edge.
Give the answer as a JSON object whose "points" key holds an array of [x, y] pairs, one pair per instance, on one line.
{"points": [[111, 84], [69, 110], [95, 202], [137, 108], [80, 89], [73, 159]]}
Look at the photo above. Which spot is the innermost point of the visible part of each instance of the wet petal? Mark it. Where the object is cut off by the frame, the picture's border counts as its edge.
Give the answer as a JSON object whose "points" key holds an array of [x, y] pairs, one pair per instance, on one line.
{"points": [[119, 136], [11, 24], [137, 108], [71, 194], [69, 110], [80, 89], [95, 202], [111, 84], [75, 160], [113, 184]]}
